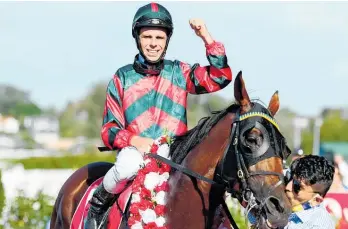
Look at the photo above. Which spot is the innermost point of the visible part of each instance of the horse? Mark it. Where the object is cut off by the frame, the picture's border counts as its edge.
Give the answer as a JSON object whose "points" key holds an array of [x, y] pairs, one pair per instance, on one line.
{"points": [[238, 149]]}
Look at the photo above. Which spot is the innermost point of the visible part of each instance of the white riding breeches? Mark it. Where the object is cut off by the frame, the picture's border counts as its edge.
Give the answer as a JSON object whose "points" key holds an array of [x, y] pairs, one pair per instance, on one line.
{"points": [[128, 162]]}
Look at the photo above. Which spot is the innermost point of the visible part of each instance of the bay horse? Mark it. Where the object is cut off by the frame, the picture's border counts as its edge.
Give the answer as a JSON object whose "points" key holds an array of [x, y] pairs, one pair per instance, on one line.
{"points": [[239, 150]]}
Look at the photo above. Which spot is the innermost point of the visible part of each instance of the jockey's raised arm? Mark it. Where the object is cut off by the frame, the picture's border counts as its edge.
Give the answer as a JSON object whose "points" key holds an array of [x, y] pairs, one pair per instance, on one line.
{"points": [[211, 78]]}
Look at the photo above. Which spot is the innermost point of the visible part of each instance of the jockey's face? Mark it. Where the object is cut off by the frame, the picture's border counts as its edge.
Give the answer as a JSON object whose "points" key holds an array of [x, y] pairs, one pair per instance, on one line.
{"points": [[152, 42]]}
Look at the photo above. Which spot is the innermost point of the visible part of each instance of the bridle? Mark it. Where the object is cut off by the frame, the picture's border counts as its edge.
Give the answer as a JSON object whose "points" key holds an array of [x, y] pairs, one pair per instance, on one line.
{"points": [[245, 193], [242, 172]]}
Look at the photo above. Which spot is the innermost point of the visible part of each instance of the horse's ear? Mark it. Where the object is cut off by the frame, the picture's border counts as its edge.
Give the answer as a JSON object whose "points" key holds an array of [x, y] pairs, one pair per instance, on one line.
{"points": [[241, 94], [273, 106]]}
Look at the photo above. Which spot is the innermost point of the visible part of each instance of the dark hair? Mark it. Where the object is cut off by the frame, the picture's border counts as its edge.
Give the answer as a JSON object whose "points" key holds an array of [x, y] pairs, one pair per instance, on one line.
{"points": [[314, 170]]}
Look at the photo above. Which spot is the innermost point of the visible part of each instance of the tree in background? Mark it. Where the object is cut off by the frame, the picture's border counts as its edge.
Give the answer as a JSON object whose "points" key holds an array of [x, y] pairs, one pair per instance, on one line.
{"points": [[16, 102], [199, 106], [84, 118], [334, 128], [69, 125], [307, 142], [93, 104], [30, 213], [10, 95], [21, 109]]}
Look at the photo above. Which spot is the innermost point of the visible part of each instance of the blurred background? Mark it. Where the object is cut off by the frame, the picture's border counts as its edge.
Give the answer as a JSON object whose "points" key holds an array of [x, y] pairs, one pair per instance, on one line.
{"points": [[56, 59]]}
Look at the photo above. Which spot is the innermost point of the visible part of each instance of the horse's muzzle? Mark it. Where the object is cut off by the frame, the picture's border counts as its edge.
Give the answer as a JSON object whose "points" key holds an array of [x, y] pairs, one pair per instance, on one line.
{"points": [[276, 213]]}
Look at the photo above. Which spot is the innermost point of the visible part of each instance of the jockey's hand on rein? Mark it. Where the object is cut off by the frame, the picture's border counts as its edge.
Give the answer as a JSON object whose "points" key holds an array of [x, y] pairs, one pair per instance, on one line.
{"points": [[141, 143]]}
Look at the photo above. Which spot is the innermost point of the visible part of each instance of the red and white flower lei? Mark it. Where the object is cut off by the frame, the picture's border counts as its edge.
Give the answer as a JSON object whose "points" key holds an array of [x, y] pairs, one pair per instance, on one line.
{"points": [[150, 188]]}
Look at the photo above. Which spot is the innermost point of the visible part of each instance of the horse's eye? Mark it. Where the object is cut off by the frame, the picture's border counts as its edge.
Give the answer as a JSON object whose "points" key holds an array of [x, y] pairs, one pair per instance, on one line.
{"points": [[252, 139]]}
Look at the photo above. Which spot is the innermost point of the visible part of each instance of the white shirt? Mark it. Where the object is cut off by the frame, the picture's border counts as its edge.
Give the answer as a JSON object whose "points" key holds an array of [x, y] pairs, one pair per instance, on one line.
{"points": [[314, 218]]}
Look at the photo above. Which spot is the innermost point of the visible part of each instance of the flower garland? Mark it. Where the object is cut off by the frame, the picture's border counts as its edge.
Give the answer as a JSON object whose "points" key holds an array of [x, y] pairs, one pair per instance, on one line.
{"points": [[149, 189]]}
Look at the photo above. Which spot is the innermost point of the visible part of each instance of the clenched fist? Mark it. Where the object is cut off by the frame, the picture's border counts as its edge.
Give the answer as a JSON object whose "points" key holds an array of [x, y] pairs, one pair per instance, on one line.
{"points": [[201, 30]]}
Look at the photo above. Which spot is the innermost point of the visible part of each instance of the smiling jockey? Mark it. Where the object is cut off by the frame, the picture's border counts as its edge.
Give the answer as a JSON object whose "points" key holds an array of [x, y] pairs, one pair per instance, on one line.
{"points": [[149, 96]]}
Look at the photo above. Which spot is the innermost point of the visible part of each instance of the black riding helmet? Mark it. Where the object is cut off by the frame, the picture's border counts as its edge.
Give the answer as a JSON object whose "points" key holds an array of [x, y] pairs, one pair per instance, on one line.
{"points": [[152, 15]]}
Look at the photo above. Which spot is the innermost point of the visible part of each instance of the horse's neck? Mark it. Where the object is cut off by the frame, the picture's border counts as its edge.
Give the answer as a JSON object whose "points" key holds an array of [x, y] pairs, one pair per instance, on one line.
{"points": [[188, 196], [205, 156]]}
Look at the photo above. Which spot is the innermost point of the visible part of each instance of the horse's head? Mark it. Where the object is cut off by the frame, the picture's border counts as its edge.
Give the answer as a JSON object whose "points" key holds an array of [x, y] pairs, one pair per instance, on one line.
{"points": [[259, 149]]}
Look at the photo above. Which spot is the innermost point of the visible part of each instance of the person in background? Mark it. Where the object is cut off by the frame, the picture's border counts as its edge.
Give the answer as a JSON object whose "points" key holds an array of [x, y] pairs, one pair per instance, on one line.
{"points": [[308, 180], [341, 172], [342, 167]]}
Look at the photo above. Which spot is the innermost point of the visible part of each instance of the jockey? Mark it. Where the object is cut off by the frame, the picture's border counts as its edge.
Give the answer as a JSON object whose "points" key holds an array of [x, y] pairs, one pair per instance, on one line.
{"points": [[149, 96]]}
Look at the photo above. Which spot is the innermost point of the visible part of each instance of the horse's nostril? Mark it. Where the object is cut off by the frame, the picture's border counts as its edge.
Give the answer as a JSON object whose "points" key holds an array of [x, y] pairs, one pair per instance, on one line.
{"points": [[274, 204]]}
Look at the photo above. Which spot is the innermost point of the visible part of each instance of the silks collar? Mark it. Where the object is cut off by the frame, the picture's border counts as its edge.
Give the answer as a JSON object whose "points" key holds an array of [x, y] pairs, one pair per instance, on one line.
{"points": [[306, 205], [141, 66]]}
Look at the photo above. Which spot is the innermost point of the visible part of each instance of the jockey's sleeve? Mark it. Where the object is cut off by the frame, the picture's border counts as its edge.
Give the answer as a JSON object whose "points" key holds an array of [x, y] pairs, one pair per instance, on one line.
{"points": [[211, 78], [114, 133]]}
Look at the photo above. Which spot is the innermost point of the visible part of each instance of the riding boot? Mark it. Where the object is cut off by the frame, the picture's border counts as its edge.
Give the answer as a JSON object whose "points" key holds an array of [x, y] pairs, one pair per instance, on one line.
{"points": [[100, 202]]}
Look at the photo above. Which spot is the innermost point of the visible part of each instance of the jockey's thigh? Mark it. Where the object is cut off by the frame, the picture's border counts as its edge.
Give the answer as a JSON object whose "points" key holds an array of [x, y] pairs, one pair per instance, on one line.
{"points": [[128, 162]]}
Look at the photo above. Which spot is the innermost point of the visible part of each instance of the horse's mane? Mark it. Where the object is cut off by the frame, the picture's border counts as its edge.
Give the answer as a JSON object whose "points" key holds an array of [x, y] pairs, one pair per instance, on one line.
{"points": [[183, 144]]}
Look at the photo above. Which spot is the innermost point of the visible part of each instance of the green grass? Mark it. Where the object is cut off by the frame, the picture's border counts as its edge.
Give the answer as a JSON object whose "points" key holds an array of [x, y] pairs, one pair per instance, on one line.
{"points": [[65, 162]]}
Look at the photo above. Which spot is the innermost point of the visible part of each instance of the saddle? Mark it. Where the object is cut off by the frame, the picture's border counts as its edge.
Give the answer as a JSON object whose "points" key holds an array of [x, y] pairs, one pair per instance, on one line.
{"points": [[114, 218]]}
